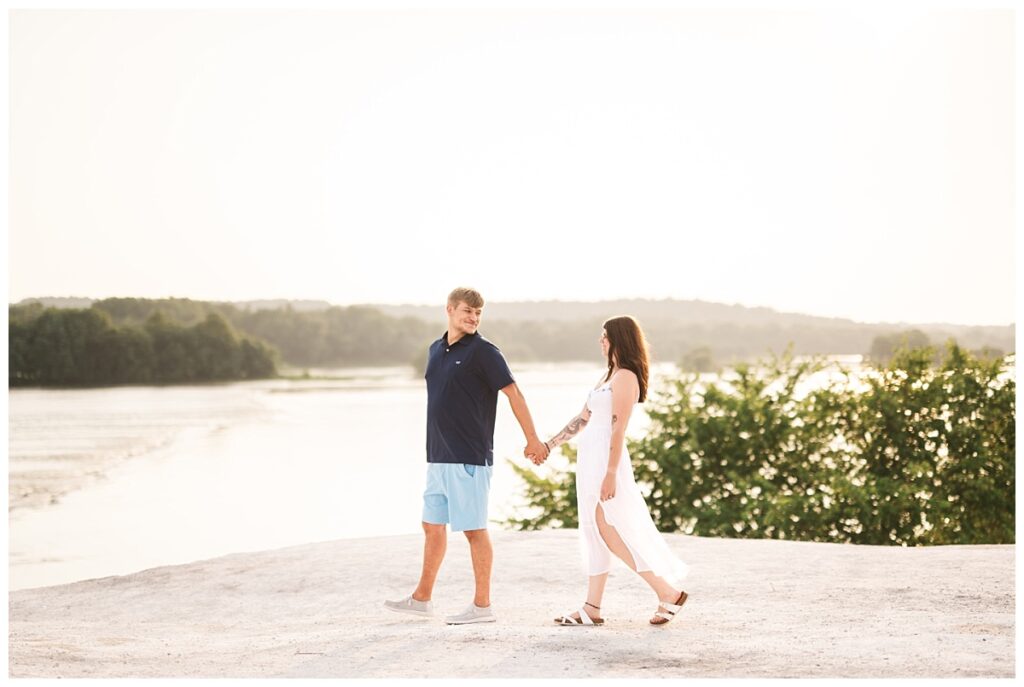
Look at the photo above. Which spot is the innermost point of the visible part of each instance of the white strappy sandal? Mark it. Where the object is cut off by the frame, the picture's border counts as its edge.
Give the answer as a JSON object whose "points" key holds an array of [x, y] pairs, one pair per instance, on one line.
{"points": [[584, 618], [670, 609]]}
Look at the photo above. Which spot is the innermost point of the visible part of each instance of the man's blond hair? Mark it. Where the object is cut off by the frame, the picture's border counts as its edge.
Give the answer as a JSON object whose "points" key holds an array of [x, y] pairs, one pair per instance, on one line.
{"points": [[470, 297]]}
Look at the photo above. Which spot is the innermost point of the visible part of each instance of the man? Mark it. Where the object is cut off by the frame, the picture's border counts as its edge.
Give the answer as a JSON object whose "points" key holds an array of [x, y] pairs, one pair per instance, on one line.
{"points": [[465, 371]]}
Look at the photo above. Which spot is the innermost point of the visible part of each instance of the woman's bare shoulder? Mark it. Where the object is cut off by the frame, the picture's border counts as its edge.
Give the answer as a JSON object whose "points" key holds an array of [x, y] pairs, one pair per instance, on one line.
{"points": [[625, 377]]}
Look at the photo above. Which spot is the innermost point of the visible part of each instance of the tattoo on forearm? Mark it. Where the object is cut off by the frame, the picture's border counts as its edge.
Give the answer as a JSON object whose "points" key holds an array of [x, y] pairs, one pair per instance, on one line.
{"points": [[615, 418], [569, 431]]}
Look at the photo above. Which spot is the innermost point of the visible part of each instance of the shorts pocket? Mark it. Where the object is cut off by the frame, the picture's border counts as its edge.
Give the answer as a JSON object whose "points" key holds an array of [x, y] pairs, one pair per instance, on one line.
{"points": [[470, 469]]}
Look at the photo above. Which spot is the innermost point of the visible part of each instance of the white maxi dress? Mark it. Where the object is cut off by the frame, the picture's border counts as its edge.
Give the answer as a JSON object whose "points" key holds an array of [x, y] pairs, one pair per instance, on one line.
{"points": [[627, 512]]}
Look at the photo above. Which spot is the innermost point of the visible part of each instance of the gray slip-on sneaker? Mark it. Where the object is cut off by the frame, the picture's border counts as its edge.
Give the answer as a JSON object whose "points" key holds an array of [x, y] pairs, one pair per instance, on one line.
{"points": [[472, 614], [424, 609]]}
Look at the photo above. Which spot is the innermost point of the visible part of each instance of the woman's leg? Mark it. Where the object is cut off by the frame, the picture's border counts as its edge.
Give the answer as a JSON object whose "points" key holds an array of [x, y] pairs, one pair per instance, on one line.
{"points": [[595, 592], [661, 587], [597, 558]]}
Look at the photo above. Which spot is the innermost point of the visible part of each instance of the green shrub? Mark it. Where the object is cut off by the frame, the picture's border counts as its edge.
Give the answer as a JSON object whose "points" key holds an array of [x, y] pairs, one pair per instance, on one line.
{"points": [[912, 452]]}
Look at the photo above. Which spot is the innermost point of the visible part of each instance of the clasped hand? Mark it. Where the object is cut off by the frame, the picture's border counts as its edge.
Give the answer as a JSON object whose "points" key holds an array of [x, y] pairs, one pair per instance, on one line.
{"points": [[537, 451]]}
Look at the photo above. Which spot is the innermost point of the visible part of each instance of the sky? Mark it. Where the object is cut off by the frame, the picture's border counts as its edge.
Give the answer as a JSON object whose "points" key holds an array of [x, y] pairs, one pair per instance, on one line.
{"points": [[843, 163]]}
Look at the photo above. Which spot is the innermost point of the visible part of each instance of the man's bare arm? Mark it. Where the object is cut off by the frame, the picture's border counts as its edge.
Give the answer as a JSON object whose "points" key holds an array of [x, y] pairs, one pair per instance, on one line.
{"points": [[534, 446]]}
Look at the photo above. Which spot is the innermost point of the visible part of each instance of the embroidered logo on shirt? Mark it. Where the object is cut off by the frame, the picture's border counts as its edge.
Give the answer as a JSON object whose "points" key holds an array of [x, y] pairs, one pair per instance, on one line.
{"points": [[458, 362]]}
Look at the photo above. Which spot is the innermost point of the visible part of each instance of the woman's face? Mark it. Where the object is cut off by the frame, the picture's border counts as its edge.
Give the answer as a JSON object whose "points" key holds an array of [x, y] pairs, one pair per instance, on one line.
{"points": [[604, 344]]}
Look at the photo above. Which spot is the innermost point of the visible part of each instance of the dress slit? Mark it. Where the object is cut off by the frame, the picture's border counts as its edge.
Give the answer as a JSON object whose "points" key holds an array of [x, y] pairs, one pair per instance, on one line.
{"points": [[639, 564]]}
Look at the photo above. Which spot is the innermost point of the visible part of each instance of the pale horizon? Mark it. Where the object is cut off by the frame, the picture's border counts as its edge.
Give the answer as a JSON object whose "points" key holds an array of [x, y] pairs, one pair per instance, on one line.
{"points": [[439, 304], [855, 164]]}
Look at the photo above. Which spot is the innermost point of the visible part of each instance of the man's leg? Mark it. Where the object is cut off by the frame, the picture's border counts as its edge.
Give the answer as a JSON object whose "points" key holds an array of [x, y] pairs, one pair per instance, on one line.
{"points": [[434, 546], [470, 487], [483, 556]]}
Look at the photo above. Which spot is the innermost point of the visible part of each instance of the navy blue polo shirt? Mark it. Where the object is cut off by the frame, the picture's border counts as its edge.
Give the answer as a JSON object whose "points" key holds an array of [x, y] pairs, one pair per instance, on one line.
{"points": [[463, 381]]}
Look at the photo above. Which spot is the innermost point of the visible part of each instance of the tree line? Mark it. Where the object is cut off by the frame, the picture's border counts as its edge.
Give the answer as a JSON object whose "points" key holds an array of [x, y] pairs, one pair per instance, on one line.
{"points": [[919, 450], [71, 347], [365, 336], [331, 337]]}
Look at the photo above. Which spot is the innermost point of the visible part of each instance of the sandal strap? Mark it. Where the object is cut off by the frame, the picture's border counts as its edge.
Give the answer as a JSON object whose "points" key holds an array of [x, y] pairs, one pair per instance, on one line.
{"points": [[584, 619], [670, 610]]}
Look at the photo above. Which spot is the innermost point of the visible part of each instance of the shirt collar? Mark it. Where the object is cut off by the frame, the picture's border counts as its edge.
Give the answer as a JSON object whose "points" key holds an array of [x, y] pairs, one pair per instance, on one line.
{"points": [[466, 338]]}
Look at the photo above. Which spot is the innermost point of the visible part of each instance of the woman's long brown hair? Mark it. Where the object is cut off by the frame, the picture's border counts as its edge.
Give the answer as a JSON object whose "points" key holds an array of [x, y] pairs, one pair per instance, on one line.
{"points": [[627, 346]]}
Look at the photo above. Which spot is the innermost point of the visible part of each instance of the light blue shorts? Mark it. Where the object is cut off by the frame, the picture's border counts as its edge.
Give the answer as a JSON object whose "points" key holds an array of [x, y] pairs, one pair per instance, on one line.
{"points": [[457, 494]]}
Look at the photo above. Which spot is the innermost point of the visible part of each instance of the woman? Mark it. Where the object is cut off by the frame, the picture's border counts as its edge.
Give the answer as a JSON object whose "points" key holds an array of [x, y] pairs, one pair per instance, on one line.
{"points": [[613, 516]]}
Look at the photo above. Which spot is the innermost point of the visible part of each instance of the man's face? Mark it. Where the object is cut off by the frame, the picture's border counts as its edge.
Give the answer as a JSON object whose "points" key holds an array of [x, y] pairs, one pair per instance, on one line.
{"points": [[463, 318]]}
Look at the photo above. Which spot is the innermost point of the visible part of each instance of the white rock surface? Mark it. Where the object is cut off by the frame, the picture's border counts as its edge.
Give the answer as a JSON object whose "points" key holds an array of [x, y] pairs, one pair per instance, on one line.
{"points": [[757, 608]]}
